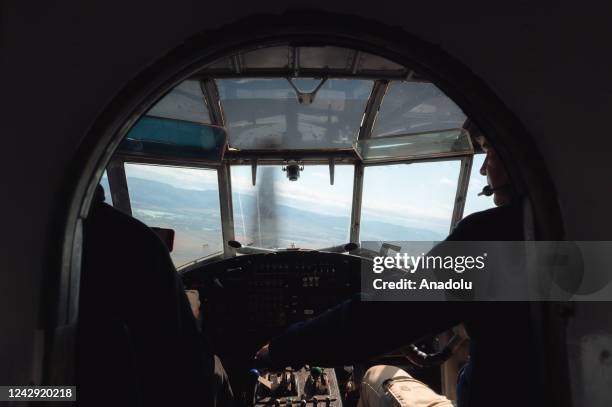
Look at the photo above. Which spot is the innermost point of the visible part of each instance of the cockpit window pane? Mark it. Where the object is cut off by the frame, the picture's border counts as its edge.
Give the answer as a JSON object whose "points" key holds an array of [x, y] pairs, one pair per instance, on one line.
{"points": [[185, 102], [408, 202], [183, 199], [447, 143], [266, 114], [106, 187], [414, 107], [473, 202], [278, 213]]}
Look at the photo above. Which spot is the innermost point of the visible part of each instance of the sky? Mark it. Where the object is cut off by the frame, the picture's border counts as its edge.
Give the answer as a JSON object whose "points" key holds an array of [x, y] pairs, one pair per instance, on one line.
{"points": [[417, 195]]}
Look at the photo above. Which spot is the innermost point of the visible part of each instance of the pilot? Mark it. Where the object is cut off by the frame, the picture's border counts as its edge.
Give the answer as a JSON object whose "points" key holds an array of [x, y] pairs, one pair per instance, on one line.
{"points": [[500, 333], [137, 326]]}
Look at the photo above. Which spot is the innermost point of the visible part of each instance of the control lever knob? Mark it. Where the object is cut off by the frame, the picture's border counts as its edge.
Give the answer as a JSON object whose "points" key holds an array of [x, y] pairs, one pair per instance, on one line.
{"points": [[316, 372]]}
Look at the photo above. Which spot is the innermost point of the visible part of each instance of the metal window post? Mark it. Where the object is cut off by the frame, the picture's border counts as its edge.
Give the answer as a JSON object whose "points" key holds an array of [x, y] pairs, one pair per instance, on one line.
{"points": [[117, 181], [365, 132], [371, 111], [211, 95], [357, 197], [211, 98], [227, 209], [462, 189]]}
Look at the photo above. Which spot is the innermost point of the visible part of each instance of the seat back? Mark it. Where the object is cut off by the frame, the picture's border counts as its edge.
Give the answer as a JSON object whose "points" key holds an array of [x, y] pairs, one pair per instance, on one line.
{"points": [[136, 329]]}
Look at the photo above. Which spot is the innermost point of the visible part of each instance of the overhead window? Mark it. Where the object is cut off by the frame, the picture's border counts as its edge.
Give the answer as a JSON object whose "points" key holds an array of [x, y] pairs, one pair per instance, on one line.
{"points": [[185, 102], [183, 199], [153, 136], [266, 113], [438, 144], [278, 213], [415, 107], [408, 202]]}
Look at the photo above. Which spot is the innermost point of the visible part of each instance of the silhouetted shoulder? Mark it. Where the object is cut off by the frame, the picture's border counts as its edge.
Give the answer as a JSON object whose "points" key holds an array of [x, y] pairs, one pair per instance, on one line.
{"points": [[503, 223]]}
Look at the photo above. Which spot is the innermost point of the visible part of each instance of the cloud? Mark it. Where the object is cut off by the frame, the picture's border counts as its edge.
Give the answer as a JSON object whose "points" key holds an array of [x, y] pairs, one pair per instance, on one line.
{"points": [[447, 181], [186, 178]]}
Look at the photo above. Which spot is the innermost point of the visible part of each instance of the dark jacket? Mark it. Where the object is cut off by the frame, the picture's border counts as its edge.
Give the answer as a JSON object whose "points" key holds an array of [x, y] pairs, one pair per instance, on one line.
{"points": [[356, 331]]}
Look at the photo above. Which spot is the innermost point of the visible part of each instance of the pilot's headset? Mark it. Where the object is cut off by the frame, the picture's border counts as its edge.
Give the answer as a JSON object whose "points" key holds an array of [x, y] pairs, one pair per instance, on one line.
{"points": [[552, 270]]}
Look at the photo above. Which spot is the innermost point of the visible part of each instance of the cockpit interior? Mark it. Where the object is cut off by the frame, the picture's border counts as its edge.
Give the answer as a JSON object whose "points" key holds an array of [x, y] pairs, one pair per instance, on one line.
{"points": [[271, 174], [191, 187]]}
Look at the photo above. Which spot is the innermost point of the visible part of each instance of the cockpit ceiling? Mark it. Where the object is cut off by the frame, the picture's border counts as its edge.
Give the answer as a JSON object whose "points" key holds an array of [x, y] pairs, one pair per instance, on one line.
{"points": [[266, 113], [328, 61], [326, 99]]}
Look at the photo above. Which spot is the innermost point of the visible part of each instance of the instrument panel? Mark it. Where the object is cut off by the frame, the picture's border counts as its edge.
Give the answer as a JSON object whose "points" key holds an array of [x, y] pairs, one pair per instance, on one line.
{"points": [[248, 300], [273, 290]]}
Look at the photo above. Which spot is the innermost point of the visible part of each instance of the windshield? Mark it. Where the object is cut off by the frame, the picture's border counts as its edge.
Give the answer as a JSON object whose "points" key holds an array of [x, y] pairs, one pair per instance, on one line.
{"points": [[185, 200], [278, 213], [418, 206], [310, 107]]}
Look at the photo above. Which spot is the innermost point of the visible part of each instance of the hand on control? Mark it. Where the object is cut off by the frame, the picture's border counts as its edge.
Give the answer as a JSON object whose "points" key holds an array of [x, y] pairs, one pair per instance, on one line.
{"points": [[194, 302], [262, 357]]}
